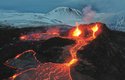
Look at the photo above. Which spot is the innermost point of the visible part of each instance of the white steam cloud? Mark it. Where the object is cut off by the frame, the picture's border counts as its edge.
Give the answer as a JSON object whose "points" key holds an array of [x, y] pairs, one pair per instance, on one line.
{"points": [[88, 14]]}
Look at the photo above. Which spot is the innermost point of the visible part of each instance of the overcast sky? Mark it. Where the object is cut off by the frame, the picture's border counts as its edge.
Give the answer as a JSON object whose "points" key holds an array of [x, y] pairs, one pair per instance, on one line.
{"points": [[45, 6]]}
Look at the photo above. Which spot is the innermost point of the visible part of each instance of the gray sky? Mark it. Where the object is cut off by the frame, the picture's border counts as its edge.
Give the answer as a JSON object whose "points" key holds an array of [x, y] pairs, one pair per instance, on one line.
{"points": [[45, 6]]}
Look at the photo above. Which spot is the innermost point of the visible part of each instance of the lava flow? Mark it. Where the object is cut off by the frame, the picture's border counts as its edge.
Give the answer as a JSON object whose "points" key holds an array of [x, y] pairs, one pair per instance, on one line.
{"points": [[78, 34], [83, 35], [37, 36]]}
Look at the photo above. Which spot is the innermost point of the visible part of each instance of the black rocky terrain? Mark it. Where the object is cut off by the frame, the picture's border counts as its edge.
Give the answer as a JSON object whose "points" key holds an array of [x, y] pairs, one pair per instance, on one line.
{"points": [[102, 59]]}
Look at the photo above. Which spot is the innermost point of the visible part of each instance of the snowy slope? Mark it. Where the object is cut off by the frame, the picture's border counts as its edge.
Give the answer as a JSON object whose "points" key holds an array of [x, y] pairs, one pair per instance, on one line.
{"points": [[115, 21], [26, 19], [61, 15], [66, 15]]}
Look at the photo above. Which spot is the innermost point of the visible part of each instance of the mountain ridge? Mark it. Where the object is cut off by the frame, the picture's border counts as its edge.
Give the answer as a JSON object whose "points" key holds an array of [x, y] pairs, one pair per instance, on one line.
{"points": [[61, 16]]}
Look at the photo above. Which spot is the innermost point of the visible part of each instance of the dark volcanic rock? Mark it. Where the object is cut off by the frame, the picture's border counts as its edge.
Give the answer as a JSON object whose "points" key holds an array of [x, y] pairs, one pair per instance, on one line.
{"points": [[102, 59], [52, 50], [107, 57], [24, 61]]}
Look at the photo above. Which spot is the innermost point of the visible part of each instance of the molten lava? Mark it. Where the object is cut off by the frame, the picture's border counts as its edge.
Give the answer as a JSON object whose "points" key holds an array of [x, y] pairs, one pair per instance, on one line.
{"points": [[53, 31], [82, 34], [23, 37], [72, 62], [37, 36], [46, 71], [30, 51], [95, 29], [81, 40], [77, 31]]}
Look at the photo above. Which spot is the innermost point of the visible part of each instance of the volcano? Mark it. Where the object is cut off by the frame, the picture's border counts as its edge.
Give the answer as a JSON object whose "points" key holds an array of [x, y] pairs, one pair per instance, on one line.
{"points": [[88, 52], [106, 56]]}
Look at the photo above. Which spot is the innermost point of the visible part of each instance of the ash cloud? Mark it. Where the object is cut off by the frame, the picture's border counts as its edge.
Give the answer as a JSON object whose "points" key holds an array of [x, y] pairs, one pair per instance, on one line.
{"points": [[88, 14]]}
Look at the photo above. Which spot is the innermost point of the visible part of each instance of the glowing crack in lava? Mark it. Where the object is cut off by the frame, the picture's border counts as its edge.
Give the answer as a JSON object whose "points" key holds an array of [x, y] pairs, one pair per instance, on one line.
{"points": [[83, 35], [46, 71]]}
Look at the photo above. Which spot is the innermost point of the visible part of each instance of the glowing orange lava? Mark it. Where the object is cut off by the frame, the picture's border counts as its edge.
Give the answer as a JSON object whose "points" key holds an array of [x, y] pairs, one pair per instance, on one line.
{"points": [[77, 31], [36, 36], [23, 37], [14, 76], [82, 34], [28, 51], [95, 29], [72, 62], [46, 71], [81, 40]]}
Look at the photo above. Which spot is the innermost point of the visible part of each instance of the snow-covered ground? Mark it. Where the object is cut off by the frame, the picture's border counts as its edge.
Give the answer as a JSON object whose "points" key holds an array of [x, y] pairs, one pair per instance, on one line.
{"points": [[59, 16], [26, 19], [115, 21]]}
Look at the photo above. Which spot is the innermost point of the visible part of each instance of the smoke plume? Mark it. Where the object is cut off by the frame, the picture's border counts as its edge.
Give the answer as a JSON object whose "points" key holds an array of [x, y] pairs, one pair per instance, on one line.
{"points": [[88, 14]]}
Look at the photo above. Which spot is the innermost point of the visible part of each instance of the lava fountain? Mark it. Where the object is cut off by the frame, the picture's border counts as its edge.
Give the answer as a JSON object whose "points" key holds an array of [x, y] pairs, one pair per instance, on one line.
{"points": [[77, 31]]}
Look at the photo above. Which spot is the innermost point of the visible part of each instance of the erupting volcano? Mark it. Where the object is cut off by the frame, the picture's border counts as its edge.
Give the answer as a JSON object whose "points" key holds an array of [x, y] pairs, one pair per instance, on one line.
{"points": [[77, 34], [82, 34]]}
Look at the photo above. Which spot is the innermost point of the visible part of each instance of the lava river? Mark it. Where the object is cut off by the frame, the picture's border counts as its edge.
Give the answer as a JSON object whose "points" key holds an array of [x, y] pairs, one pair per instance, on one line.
{"points": [[83, 35]]}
